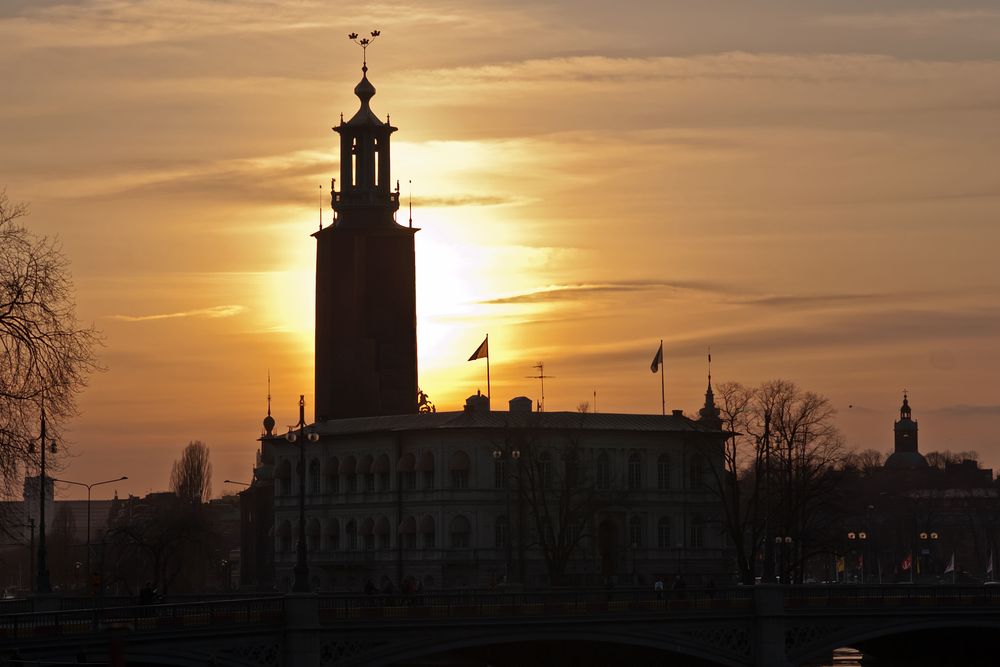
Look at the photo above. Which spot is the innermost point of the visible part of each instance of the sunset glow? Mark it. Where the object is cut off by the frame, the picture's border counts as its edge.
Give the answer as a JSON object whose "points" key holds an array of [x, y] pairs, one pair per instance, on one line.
{"points": [[809, 191]]}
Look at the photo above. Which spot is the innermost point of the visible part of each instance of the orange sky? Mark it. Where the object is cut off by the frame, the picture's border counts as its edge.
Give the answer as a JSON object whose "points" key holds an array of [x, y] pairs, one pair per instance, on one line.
{"points": [[809, 188]]}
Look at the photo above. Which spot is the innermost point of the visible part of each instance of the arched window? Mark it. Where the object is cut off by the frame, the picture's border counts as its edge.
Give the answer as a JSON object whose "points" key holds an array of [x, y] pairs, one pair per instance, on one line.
{"points": [[459, 529], [635, 531], [366, 472], [499, 473], [545, 469], [312, 534], [368, 534], [458, 465], [427, 536], [663, 472], [426, 469], [634, 471], [283, 477], [697, 531], [284, 537], [382, 533], [603, 471], [407, 472], [314, 477], [408, 533], [332, 535], [381, 469], [501, 532], [350, 470], [663, 532], [332, 476], [352, 535]]}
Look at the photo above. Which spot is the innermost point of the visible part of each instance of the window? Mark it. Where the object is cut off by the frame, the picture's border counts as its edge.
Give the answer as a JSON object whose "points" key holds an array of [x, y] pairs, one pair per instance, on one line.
{"points": [[458, 465], [369, 481], [428, 479], [634, 471], [408, 480], [352, 536], [545, 469], [332, 535], [284, 475], [427, 533], [383, 481], [460, 479], [333, 484], [314, 476], [428, 540], [312, 535], [501, 532], [352, 483], [697, 473], [697, 532], [426, 468], [409, 540], [603, 471], [635, 531], [499, 474], [369, 542], [663, 472], [663, 533]]}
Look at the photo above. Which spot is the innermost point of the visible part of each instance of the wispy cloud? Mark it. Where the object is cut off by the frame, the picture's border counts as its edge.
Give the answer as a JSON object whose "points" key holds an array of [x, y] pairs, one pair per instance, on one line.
{"points": [[213, 312], [966, 410], [580, 291], [917, 20]]}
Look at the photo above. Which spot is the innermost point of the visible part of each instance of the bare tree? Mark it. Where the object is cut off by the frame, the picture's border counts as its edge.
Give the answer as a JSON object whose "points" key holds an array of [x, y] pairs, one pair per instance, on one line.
{"points": [[191, 476], [866, 460], [45, 354], [780, 471]]}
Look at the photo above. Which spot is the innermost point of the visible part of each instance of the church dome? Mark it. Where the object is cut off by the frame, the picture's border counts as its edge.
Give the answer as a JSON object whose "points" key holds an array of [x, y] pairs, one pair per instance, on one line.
{"points": [[269, 424], [906, 461]]}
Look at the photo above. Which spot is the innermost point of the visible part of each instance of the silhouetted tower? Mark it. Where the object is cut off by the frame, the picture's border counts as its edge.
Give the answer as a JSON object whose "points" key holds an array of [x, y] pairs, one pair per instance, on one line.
{"points": [[709, 414], [366, 331], [905, 429]]}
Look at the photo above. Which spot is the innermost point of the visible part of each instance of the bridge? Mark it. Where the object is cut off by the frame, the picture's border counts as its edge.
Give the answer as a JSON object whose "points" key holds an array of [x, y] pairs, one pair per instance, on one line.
{"points": [[759, 626]]}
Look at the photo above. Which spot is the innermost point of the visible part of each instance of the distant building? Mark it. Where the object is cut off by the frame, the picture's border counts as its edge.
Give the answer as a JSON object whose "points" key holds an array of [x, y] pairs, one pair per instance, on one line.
{"points": [[396, 497]]}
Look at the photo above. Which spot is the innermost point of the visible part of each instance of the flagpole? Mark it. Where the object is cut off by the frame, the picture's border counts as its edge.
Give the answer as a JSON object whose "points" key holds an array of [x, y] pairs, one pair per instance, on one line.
{"points": [[663, 395], [489, 392]]}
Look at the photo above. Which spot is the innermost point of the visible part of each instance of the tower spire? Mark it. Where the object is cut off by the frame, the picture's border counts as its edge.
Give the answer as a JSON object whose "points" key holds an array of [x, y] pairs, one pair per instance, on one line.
{"points": [[268, 420]]}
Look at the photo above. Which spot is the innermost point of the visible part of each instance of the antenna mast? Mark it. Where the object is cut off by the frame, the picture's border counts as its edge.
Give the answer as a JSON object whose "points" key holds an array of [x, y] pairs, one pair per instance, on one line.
{"points": [[541, 377]]}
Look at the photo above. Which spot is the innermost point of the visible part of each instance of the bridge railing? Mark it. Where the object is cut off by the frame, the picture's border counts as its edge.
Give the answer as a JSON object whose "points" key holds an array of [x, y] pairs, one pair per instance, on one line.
{"points": [[889, 595], [477, 604], [265, 612]]}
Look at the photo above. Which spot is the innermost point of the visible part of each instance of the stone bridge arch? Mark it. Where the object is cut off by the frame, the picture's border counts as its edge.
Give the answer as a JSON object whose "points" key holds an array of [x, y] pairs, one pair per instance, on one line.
{"points": [[695, 643], [866, 632]]}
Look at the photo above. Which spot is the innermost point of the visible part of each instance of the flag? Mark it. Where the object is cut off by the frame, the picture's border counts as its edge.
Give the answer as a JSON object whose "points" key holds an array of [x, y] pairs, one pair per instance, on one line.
{"points": [[482, 351], [951, 564], [989, 565], [657, 359], [907, 562], [841, 566]]}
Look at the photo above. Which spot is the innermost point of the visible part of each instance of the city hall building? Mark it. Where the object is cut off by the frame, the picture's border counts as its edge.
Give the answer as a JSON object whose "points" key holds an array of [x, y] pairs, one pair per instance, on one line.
{"points": [[397, 495]]}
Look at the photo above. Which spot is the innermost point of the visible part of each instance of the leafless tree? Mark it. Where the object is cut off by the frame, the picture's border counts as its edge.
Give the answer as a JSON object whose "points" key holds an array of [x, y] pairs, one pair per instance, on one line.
{"points": [[45, 354], [191, 476], [779, 471], [866, 460]]}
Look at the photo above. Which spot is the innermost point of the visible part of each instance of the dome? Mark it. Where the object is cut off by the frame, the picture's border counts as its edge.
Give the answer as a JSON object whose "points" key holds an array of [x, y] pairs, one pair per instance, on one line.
{"points": [[906, 461], [269, 424]]}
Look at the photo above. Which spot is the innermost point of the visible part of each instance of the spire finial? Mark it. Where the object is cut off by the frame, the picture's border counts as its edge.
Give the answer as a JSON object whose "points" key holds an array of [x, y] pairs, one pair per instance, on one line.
{"points": [[710, 368], [364, 43], [268, 420], [411, 202]]}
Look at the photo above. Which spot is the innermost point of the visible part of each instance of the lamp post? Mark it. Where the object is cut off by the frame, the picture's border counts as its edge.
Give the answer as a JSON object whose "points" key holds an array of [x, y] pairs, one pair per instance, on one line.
{"points": [[861, 537], [501, 454], [89, 487], [783, 543], [926, 540], [42, 583], [301, 582]]}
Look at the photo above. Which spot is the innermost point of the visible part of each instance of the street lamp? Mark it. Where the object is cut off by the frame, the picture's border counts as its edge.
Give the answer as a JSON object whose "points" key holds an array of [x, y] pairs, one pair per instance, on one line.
{"points": [[862, 537], [500, 455], [783, 544], [89, 486], [42, 585], [301, 583]]}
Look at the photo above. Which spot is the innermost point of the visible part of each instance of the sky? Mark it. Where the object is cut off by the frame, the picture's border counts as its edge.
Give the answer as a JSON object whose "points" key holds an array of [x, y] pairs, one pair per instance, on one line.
{"points": [[808, 188]]}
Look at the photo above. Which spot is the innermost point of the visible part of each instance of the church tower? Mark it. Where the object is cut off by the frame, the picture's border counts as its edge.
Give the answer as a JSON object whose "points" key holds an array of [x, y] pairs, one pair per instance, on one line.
{"points": [[905, 429], [366, 330]]}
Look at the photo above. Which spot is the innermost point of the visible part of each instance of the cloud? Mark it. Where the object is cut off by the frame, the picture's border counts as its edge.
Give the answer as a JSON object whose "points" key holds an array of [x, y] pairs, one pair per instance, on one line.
{"points": [[575, 292], [808, 300], [918, 20], [213, 312], [966, 410]]}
